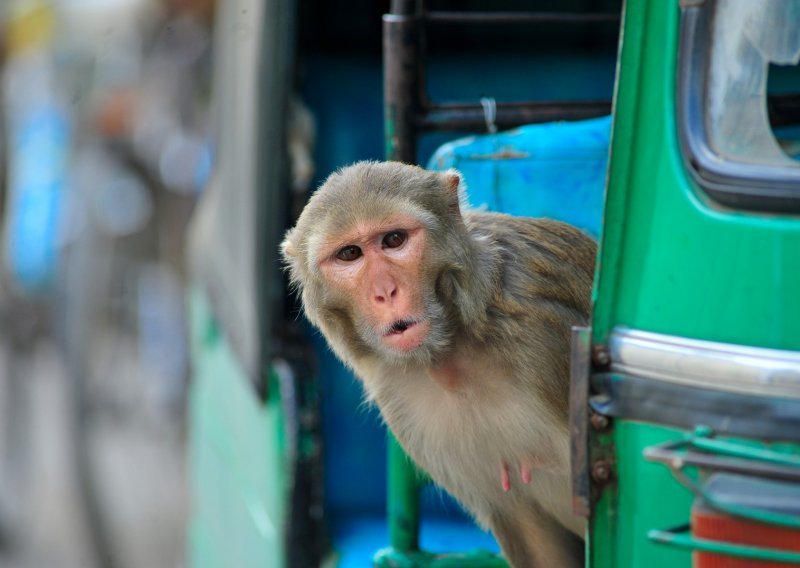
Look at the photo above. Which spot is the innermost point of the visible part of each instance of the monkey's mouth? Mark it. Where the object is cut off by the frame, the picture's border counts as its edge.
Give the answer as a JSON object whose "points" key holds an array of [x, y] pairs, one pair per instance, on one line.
{"points": [[406, 334], [400, 326]]}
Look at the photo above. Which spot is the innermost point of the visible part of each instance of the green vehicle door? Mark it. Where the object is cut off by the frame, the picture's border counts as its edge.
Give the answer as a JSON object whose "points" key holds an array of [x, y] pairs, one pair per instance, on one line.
{"points": [[697, 312]]}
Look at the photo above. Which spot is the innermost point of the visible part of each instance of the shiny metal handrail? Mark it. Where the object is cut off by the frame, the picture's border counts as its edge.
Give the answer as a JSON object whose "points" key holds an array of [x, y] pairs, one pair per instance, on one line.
{"points": [[706, 364]]}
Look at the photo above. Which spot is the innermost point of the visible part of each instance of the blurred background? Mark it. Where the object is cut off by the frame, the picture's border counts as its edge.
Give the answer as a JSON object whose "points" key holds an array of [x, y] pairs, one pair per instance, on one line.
{"points": [[105, 147]]}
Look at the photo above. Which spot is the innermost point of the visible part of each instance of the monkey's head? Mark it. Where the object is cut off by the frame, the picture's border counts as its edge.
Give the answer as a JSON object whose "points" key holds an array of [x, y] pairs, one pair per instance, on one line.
{"points": [[381, 256]]}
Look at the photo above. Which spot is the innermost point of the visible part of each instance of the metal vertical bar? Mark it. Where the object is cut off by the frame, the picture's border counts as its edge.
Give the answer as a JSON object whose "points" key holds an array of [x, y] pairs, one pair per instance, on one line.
{"points": [[403, 500], [401, 86]]}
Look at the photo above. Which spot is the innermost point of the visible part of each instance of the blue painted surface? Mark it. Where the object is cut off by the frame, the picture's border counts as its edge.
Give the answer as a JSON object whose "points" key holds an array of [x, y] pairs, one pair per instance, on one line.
{"points": [[356, 537], [346, 95], [554, 170], [355, 451]]}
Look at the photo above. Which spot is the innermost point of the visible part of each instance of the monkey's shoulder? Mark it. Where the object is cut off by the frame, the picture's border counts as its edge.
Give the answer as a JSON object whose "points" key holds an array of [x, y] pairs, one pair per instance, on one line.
{"points": [[535, 248], [544, 277], [555, 237]]}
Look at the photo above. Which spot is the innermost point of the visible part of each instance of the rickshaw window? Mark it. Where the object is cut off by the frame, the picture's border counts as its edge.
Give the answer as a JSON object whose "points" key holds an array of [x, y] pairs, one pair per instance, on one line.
{"points": [[739, 89]]}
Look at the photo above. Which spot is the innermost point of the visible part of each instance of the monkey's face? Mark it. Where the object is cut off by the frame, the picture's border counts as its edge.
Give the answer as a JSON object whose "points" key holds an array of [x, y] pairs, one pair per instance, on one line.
{"points": [[379, 268], [369, 254]]}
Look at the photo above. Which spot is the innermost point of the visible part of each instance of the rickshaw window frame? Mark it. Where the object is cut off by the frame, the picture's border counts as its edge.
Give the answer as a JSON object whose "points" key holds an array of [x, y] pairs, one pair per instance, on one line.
{"points": [[739, 185]]}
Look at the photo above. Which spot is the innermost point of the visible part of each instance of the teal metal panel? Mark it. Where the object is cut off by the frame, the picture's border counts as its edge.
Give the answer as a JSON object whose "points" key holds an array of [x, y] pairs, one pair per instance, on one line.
{"points": [[554, 170], [237, 458]]}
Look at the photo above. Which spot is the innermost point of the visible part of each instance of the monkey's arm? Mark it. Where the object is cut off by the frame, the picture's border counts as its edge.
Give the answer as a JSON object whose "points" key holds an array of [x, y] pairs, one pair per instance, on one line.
{"points": [[533, 539]]}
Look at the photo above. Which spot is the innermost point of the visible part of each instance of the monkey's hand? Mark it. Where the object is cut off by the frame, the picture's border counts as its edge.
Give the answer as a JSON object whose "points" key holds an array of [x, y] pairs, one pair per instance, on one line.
{"points": [[526, 468]]}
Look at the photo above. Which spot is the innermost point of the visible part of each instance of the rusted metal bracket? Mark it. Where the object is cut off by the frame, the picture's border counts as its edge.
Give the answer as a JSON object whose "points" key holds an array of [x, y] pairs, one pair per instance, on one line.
{"points": [[580, 359], [592, 450], [603, 462]]}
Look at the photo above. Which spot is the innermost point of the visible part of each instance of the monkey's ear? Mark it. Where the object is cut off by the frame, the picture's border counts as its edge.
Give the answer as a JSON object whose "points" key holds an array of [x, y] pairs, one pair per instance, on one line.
{"points": [[452, 180], [290, 254], [454, 188], [287, 246], [291, 260]]}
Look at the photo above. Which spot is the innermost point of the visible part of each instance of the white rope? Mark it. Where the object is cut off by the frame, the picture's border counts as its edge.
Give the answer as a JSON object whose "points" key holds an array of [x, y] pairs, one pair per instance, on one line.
{"points": [[489, 113]]}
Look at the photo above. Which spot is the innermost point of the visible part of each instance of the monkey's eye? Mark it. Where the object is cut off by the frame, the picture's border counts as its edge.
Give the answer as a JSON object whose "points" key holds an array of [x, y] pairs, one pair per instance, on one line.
{"points": [[394, 239], [349, 253]]}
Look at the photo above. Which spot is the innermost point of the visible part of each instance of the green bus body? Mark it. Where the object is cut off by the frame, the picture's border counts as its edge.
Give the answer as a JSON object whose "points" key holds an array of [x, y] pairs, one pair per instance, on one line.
{"points": [[237, 457]]}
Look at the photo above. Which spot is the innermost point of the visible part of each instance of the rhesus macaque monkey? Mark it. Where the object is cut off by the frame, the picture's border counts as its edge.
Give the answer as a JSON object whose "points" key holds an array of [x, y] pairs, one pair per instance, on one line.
{"points": [[458, 324]]}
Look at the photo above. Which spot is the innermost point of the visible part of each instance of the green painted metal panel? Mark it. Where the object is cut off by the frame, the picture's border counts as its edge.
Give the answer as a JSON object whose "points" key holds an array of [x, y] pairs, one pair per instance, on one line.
{"points": [[683, 539], [644, 496], [672, 261], [237, 460]]}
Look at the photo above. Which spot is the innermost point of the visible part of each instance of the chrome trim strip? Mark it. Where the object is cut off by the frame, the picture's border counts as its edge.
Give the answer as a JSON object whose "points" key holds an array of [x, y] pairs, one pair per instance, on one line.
{"points": [[706, 364]]}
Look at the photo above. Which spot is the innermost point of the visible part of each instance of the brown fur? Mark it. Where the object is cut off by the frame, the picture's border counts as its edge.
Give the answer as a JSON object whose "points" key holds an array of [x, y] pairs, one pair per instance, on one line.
{"points": [[489, 385]]}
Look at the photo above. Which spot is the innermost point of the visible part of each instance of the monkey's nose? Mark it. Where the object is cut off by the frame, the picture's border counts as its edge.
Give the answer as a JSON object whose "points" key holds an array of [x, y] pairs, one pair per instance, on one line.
{"points": [[385, 292]]}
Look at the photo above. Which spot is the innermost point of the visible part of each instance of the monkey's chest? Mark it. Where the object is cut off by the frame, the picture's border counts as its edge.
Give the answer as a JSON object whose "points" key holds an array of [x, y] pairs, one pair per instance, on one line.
{"points": [[463, 439]]}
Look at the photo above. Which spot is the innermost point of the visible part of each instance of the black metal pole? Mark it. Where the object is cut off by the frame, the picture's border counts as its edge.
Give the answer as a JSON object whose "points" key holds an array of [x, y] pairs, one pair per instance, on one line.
{"points": [[401, 84]]}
